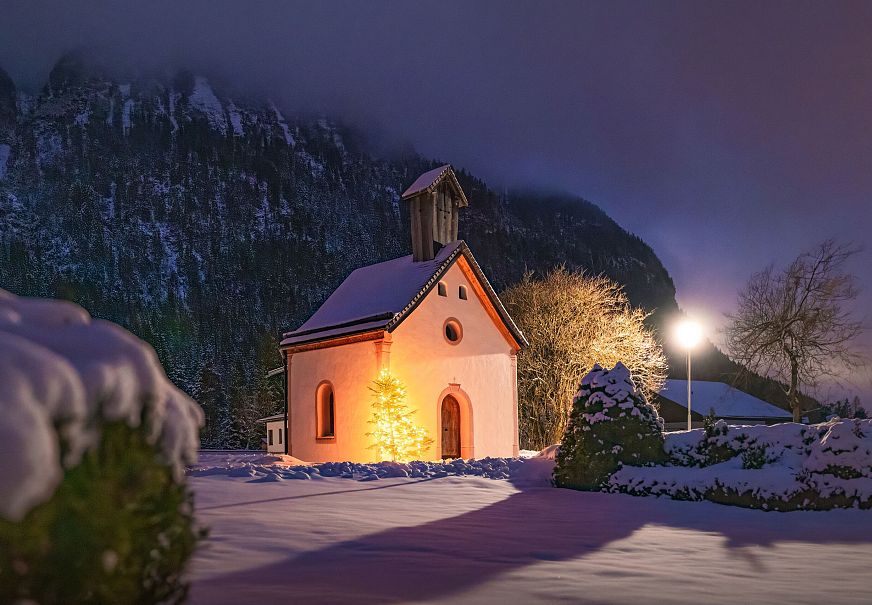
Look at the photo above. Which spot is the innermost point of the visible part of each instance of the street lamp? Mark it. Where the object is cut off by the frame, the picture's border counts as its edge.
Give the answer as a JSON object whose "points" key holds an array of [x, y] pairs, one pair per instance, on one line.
{"points": [[688, 334]]}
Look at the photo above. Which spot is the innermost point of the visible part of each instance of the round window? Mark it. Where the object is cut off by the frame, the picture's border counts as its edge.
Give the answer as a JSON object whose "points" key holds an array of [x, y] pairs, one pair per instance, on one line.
{"points": [[453, 331]]}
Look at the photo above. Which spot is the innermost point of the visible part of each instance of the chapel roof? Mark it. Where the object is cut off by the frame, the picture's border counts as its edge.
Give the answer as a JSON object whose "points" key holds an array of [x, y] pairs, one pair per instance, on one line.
{"points": [[380, 296]]}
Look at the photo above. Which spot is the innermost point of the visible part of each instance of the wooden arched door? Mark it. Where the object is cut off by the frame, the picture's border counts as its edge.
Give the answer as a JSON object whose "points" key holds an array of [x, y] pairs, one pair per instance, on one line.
{"points": [[450, 428]]}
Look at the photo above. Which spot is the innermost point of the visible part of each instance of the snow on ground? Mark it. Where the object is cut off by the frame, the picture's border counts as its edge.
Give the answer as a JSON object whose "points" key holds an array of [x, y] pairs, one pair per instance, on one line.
{"points": [[82, 118], [5, 151], [172, 99], [235, 119], [289, 139], [204, 100], [126, 113], [473, 539], [273, 467]]}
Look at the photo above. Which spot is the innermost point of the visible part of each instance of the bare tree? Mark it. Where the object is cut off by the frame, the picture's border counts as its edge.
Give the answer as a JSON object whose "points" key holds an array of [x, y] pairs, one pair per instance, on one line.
{"points": [[572, 322], [795, 325]]}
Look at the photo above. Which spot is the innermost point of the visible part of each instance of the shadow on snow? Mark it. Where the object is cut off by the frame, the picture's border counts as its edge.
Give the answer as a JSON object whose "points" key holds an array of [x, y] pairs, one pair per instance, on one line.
{"points": [[448, 556]]}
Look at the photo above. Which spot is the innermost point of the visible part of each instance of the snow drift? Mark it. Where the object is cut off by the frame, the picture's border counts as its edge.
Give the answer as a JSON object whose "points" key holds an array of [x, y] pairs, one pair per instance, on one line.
{"points": [[62, 373], [525, 472]]}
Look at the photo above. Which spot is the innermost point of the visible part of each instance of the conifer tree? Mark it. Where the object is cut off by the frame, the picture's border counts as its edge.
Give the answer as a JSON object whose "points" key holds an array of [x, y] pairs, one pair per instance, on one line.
{"points": [[208, 393], [396, 436], [859, 410], [611, 424]]}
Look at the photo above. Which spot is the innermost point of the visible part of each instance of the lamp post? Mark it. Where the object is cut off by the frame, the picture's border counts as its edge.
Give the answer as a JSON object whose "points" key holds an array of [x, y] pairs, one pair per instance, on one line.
{"points": [[688, 333]]}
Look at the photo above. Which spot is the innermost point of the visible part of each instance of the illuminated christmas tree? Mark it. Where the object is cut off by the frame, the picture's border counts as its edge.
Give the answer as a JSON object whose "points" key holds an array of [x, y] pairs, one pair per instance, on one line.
{"points": [[397, 437]]}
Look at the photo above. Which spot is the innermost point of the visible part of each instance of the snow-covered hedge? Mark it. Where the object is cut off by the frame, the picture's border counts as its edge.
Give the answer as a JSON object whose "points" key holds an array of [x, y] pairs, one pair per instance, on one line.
{"points": [[62, 374], [615, 442], [782, 467], [93, 440]]}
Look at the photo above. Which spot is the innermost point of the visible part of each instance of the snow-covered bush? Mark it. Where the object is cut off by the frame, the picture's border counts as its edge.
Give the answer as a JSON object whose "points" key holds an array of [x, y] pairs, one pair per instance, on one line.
{"points": [[715, 447], [94, 439], [843, 449], [610, 425], [757, 456], [787, 466]]}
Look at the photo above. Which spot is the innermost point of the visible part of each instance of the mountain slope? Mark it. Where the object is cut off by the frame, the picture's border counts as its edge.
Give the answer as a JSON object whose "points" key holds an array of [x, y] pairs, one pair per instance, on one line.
{"points": [[208, 224]]}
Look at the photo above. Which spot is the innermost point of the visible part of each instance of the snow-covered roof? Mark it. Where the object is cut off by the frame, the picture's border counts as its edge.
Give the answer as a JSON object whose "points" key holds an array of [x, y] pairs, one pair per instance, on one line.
{"points": [[272, 418], [727, 401], [380, 296], [429, 180]]}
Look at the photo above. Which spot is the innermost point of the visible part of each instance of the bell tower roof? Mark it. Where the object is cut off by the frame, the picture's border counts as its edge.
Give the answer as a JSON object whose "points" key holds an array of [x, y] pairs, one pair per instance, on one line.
{"points": [[430, 180], [435, 200]]}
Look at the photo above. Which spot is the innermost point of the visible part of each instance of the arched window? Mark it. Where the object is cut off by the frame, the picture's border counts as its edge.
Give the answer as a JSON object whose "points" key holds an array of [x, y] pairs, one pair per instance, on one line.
{"points": [[462, 292], [442, 288], [325, 411]]}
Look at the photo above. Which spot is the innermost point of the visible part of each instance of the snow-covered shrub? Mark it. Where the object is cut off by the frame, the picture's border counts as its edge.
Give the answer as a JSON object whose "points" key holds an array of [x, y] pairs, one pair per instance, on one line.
{"points": [[94, 439], [717, 446], [610, 425], [782, 467], [844, 449], [716, 443], [719, 442], [756, 456]]}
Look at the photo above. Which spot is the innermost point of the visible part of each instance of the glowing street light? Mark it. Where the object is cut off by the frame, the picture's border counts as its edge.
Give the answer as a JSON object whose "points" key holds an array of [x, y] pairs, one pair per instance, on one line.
{"points": [[688, 334]]}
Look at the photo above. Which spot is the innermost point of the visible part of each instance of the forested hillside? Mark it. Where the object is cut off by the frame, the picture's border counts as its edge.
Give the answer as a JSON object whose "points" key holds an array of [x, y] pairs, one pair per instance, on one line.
{"points": [[208, 224]]}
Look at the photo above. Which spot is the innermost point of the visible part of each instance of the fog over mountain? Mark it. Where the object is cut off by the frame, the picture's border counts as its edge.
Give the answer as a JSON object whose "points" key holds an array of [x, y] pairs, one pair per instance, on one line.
{"points": [[727, 136], [208, 223]]}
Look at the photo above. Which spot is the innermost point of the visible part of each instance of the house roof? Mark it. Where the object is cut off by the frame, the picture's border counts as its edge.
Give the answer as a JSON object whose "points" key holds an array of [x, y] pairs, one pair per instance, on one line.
{"points": [[727, 401], [380, 296], [272, 418], [428, 181]]}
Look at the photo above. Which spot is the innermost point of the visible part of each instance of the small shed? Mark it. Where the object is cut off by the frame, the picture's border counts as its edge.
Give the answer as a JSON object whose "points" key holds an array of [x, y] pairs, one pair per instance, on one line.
{"points": [[275, 433], [729, 403]]}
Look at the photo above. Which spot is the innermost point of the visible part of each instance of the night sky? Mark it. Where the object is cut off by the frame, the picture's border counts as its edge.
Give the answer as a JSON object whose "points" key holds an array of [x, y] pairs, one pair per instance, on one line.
{"points": [[728, 136]]}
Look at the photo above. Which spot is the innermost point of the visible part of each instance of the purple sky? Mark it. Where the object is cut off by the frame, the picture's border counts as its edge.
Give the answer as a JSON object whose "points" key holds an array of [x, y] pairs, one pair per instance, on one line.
{"points": [[727, 135]]}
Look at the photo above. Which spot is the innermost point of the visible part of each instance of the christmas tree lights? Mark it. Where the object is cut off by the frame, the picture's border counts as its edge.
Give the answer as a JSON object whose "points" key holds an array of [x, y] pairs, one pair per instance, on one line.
{"points": [[396, 436]]}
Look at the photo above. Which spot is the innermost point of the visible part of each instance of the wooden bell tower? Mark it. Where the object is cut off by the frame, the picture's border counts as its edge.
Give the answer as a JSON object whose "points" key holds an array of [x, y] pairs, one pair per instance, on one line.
{"points": [[435, 200]]}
